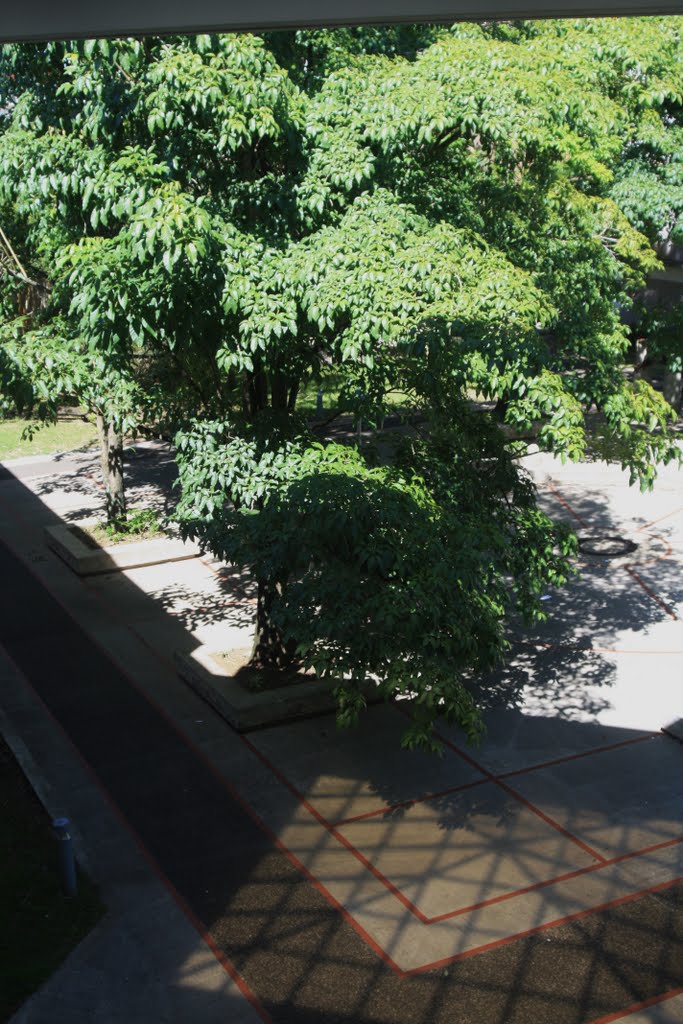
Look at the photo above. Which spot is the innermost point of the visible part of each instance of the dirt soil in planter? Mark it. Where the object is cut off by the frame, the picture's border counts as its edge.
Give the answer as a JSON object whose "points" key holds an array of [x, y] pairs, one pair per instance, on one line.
{"points": [[257, 680]]}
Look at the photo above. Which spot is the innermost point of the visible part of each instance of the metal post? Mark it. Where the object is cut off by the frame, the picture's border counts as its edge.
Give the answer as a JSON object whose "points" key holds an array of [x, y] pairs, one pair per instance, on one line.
{"points": [[67, 864]]}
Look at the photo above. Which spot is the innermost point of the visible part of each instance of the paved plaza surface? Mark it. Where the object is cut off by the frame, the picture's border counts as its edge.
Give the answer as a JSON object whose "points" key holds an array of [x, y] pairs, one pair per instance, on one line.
{"points": [[303, 874]]}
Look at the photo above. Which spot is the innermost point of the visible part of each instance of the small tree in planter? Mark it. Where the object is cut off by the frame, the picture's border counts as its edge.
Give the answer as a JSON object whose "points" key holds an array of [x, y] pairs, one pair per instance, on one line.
{"points": [[402, 574]]}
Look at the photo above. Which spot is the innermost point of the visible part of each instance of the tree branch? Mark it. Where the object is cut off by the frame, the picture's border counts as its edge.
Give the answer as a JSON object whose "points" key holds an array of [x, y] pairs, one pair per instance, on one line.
{"points": [[10, 250], [124, 73], [321, 424], [24, 278]]}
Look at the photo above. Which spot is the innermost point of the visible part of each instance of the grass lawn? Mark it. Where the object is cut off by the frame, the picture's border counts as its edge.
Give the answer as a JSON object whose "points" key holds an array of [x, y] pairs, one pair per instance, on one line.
{"points": [[70, 432], [39, 925], [331, 382]]}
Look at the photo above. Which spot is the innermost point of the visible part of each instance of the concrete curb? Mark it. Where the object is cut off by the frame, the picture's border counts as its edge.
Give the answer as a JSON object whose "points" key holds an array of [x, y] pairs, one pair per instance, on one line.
{"points": [[244, 709], [89, 562]]}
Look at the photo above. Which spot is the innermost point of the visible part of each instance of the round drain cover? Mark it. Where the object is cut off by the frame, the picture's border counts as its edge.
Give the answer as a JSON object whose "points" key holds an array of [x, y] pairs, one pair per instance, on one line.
{"points": [[606, 545]]}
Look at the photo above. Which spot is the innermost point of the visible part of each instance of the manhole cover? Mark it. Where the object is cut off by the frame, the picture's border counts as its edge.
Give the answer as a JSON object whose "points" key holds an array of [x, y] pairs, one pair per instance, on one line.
{"points": [[606, 545]]}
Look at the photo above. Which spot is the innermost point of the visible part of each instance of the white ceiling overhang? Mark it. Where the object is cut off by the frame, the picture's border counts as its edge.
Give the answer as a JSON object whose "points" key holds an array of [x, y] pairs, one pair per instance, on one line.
{"points": [[61, 19]]}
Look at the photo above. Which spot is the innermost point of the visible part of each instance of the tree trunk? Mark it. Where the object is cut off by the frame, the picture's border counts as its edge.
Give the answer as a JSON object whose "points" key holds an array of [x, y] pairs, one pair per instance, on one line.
{"points": [[254, 393], [269, 650], [673, 389], [111, 458], [278, 387], [501, 408]]}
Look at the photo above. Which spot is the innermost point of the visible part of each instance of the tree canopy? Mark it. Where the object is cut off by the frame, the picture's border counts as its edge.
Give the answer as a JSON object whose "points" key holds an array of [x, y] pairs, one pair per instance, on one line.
{"points": [[436, 220]]}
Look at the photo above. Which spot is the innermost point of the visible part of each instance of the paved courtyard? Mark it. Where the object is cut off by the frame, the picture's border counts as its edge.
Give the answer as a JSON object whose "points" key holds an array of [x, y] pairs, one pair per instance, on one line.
{"points": [[299, 873]]}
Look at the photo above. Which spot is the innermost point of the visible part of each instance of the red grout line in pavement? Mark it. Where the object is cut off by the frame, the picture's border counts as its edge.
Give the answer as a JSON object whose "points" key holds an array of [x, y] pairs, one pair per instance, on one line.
{"points": [[217, 572], [489, 777], [576, 873], [648, 590], [408, 803], [659, 558], [521, 799], [567, 919], [385, 809], [634, 1007], [309, 807], [396, 892], [550, 821], [292, 858], [245, 599], [583, 753], [220, 956], [315, 813], [558, 497], [392, 888], [98, 483], [659, 520], [358, 928]]}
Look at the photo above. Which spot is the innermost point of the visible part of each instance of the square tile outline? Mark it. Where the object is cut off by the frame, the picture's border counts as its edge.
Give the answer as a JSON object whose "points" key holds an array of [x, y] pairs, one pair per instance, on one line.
{"points": [[602, 862], [426, 919]]}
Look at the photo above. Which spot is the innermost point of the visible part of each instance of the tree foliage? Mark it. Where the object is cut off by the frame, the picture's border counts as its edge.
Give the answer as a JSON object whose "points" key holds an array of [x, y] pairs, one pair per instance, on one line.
{"points": [[444, 218]]}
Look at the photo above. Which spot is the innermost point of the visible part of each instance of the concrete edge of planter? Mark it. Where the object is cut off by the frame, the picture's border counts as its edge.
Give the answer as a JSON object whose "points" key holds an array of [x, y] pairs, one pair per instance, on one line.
{"points": [[245, 710], [89, 561]]}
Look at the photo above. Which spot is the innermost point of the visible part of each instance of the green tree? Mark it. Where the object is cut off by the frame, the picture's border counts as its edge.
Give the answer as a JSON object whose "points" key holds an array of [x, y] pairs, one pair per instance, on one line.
{"points": [[432, 220], [124, 205]]}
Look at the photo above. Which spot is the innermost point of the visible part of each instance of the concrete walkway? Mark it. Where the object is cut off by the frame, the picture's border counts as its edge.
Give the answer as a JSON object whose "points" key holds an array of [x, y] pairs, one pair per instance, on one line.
{"points": [[302, 874]]}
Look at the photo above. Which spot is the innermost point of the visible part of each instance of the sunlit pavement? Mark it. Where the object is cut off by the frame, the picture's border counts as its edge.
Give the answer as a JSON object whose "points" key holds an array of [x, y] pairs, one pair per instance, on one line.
{"points": [[535, 878]]}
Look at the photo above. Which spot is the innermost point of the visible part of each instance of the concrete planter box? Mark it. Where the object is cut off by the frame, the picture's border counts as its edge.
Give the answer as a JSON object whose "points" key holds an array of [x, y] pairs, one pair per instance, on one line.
{"points": [[245, 709], [87, 561]]}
